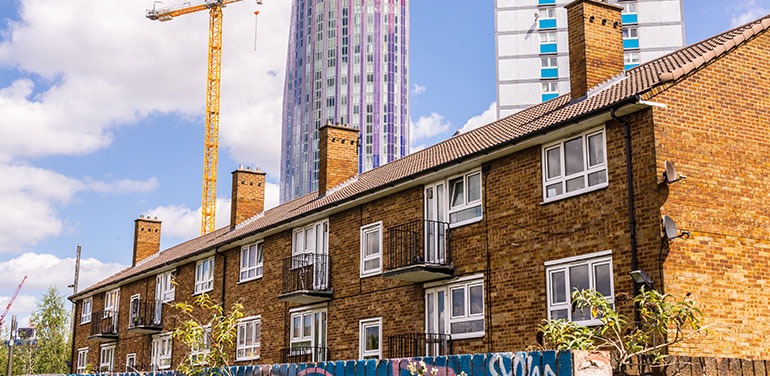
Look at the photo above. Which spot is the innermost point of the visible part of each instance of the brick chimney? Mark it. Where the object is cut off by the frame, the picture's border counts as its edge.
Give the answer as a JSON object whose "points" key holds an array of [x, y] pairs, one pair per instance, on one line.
{"points": [[248, 197], [146, 238], [338, 160], [595, 44]]}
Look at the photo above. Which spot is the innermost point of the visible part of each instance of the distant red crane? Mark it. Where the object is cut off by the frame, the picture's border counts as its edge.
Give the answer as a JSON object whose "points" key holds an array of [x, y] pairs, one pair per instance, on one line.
{"points": [[8, 308]]}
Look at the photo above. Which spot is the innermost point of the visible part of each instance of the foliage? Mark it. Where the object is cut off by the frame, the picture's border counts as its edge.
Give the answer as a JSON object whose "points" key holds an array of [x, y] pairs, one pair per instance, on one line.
{"points": [[663, 322], [209, 341], [420, 369]]}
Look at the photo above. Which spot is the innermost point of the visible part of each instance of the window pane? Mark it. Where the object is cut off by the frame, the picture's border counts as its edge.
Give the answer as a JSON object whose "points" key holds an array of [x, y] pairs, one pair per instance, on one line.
{"points": [[297, 326], [553, 161], [260, 253], [578, 278], [477, 300], [602, 279], [306, 326], [465, 214], [595, 149], [372, 264], [372, 243], [573, 155], [597, 178], [458, 302], [252, 256], [474, 187], [457, 194], [441, 312], [372, 338], [576, 184], [467, 326], [560, 314], [558, 295], [553, 190], [430, 313]]}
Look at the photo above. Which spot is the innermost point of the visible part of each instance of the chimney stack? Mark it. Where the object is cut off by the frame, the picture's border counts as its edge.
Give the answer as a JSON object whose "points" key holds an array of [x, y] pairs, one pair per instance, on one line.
{"points": [[595, 44], [248, 198], [338, 159], [146, 238]]}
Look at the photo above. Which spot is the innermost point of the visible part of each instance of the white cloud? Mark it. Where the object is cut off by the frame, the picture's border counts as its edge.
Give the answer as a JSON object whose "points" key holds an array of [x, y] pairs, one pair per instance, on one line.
{"points": [[30, 197], [22, 307], [417, 89], [123, 68], [185, 223], [415, 148], [489, 115], [746, 11], [44, 270], [428, 126]]}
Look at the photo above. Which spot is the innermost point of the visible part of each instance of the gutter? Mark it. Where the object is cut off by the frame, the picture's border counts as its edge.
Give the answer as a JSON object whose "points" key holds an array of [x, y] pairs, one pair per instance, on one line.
{"points": [[635, 99]]}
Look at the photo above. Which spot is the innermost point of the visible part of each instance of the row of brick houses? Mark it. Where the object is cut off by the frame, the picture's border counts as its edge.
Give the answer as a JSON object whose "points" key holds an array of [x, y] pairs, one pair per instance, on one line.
{"points": [[466, 246]]}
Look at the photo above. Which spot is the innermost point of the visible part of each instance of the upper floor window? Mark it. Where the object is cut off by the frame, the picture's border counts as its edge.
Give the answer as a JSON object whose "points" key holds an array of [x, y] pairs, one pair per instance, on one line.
{"points": [[164, 287], [465, 302], [547, 13], [107, 358], [82, 364], [574, 165], [370, 339], [111, 302], [567, 275], [548, 37], [630, 33], [465, 198], [251, 261], [371, 249], [312, 239], [161, 352], [204, 275], [548, 62], [248, 338], [628, 7], [85, 310]]}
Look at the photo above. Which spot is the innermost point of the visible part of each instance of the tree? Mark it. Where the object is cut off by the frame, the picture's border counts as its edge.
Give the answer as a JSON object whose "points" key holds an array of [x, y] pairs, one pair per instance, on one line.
{"points": [[663, 322], [52, 331]]}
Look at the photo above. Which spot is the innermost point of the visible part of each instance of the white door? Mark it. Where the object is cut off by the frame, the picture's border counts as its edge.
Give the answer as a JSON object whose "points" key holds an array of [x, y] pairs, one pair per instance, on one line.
{"points": [[435, 230], [308, 334], [435, 320]]}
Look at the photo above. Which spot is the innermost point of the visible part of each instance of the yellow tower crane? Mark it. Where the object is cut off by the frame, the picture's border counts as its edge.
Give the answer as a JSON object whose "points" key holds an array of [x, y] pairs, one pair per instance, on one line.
{"points": [[209, 203]]}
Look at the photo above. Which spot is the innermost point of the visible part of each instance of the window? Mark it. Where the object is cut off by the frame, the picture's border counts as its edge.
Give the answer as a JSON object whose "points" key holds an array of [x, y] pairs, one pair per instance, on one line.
{"points": [[161, 352], [628, 7], [456, 309], [575, 165], [370, 339], [111, 302], [198, 353], [630, 33], [371, 249], [547, 13], [164, 287], [550, 87], [85, 310], [465, 198], [249, 335], [312, 239], [251, 261], [131, 362], [308, 333], [204, 275], [548, 62], [134, 311], [82, 365], [564, 276], [107, 358], [632, 58]]}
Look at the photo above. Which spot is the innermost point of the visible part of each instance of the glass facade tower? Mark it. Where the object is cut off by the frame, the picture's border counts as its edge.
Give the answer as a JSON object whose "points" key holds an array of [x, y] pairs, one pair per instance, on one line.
{"points": [[348, 63]]}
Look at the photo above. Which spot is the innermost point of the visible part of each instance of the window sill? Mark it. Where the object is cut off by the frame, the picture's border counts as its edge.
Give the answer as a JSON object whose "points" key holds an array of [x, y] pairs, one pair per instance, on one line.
{"points": [[249, 280], [85, 322], [575, 194], [202, 291], [467, 335], [245, 359], [371, 274], [466, 222]]}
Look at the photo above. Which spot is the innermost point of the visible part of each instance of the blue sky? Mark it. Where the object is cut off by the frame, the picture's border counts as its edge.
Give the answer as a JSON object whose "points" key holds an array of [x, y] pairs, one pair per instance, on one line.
{"points": [[100, 116]]}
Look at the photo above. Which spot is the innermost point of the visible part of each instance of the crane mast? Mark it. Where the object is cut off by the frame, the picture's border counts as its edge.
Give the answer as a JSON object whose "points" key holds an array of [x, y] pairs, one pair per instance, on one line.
{"points": [[214, 71], [10, 302]]}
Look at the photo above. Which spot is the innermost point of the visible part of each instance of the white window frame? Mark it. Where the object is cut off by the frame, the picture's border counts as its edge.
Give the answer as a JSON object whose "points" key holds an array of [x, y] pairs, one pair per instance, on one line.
{"points": [[204, 283], [548, 37], [82, 363], [563, 265], [631, 30], [165, 290], [466, 204], [362, 326], [156, 344], [259, 251], [196, 352], [545, 87], [547, 13], [632, 57], [562, 178], [111, 302], [627, 5], [108, 363], [548, 62], [299, 246], [256, 333], [85, 317], [131, 356], [311, 312], [365, 230], [131, 307], [461, 283]]}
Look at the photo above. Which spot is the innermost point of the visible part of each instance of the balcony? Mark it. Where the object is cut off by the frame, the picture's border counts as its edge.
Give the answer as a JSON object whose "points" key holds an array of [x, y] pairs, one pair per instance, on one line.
{"points": [[104, 326], [419, 251], [304, 354], [146, 316], [306, 279], [412, 345]]}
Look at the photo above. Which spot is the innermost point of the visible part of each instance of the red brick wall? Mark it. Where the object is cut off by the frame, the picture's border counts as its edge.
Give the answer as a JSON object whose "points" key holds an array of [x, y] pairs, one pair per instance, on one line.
{"points": [[146, 238], [338, 156], [248, 195]]}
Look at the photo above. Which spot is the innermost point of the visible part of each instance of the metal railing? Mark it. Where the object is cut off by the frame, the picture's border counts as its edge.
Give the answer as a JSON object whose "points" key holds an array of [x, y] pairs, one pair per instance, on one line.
{"points": [[304, 354], [419, 242], [306, 272], [146, 313], [411, 345], [104, 323]]}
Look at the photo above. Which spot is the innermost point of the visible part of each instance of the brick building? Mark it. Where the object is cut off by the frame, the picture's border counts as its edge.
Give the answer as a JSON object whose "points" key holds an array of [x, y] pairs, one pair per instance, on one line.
{"points": [[468, 245]]}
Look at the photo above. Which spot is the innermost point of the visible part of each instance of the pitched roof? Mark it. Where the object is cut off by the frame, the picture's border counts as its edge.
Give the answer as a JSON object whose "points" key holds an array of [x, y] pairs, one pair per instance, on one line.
{"points": [[526, 123]]}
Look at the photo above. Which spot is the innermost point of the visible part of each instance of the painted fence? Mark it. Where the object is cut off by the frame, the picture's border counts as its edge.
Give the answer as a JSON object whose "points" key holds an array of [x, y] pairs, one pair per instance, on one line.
{"points": [[537, 363]]}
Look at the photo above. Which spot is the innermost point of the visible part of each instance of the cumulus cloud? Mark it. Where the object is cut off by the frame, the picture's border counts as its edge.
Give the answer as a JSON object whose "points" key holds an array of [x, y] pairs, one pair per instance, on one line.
{"points": [[428, 126], [185, 223], [22, 307], [44, 270], [417, 89], [746, 11], [30, 197], [489, 115]]}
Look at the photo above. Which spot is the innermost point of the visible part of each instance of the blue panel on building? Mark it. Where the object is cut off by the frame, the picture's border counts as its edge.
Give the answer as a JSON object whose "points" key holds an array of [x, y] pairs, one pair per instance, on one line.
{"points": [[549, 73], [629, 66], [548, 24], [545, 2], [548, 97], [629, 19], [548, 48], [630, 43]]}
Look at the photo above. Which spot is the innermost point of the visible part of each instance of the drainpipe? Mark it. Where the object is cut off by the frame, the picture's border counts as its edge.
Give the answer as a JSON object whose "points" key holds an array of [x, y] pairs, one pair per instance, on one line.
{"points": [[631, 209], [224, 274]]}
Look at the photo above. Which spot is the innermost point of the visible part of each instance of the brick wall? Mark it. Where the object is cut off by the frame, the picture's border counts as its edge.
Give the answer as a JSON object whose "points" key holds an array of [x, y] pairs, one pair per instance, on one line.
{"points": [[338, 156], [146, 238], [248, 195]]}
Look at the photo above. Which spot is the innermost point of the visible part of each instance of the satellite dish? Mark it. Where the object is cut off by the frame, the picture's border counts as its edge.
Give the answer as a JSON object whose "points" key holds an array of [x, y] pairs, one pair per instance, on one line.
{"points": [[671, 231], [670, 175]]}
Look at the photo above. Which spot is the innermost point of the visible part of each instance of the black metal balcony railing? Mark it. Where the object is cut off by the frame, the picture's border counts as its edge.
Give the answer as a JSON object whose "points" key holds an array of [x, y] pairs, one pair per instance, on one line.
{"points": [[146, 314], [304, 354], [104, 323], [418, 242], [411, 345], [306, 272]]}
